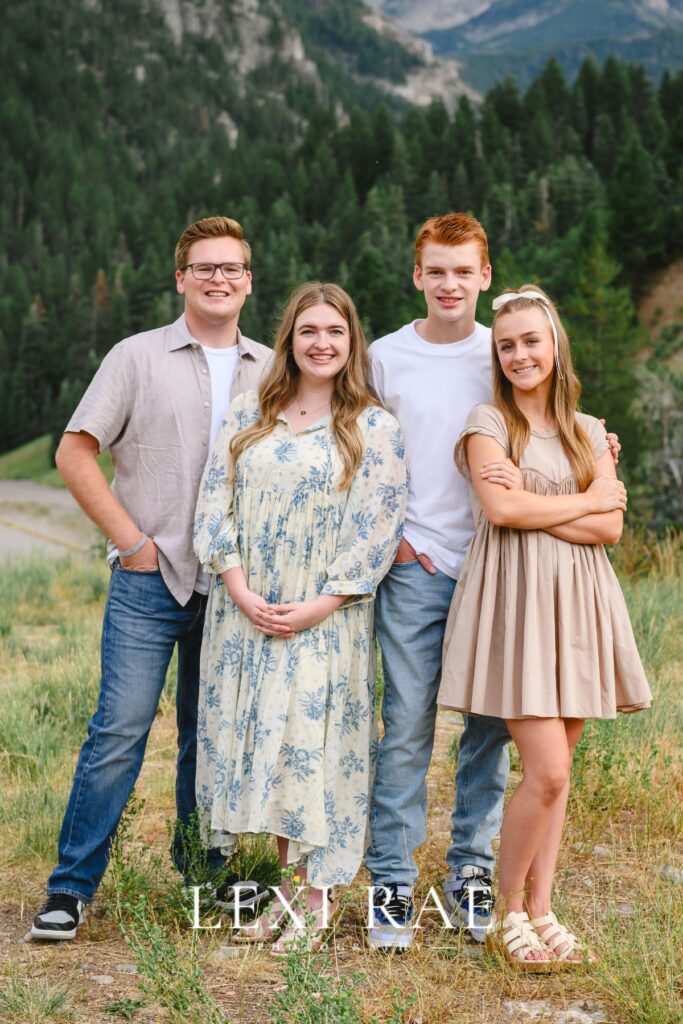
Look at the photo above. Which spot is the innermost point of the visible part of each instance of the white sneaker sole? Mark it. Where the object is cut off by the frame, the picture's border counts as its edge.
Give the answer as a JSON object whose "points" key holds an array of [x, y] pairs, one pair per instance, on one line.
{"points": [[391, 940], [459, 919], [48, 935]]}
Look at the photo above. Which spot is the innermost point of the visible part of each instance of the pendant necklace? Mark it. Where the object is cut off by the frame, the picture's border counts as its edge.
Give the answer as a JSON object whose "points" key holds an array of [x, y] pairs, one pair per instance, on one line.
{"points": [[305, 412]]}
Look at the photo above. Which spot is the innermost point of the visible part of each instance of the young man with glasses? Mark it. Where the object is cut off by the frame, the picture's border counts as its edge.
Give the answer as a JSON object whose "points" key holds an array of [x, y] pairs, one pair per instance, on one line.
{"points": [[156, 402]]}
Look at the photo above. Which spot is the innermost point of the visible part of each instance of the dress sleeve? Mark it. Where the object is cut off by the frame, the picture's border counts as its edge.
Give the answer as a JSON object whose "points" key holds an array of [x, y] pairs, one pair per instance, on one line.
{"points": [[215, 533], [372, 521], [482, 419], [596, 433]]}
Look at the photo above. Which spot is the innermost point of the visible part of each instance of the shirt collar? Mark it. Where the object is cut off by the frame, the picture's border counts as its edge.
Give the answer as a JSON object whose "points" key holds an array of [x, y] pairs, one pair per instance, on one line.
{"points": [[181, 338]]}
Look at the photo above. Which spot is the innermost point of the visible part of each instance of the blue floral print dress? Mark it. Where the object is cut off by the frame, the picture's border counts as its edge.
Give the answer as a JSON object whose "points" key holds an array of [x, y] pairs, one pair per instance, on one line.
{"points": [[286, 730]]}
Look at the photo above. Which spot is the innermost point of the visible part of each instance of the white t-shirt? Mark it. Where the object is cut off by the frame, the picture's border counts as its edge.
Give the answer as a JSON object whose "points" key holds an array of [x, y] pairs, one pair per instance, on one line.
{"points": [[222, 365], [430, 389]]}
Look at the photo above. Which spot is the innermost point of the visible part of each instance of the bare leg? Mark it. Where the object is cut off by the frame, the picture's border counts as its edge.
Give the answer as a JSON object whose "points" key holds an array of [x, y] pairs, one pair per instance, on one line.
{"points": [[546, 760], [314, 897], [541, 872]]}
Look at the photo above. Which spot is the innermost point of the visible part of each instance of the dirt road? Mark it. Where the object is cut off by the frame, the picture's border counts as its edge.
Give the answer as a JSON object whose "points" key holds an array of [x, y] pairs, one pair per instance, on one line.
{"points": [[39, 520]]}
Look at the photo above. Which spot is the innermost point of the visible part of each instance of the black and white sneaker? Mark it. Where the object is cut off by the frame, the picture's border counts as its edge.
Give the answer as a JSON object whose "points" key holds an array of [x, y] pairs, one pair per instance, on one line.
{"points": [[252, 895], [58, 918], [468, 895], [391, 928]]}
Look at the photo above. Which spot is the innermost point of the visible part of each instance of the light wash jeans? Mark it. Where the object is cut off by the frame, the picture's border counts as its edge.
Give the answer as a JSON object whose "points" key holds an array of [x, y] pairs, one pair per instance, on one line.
{"points": [[410, 618], [142, 624]]}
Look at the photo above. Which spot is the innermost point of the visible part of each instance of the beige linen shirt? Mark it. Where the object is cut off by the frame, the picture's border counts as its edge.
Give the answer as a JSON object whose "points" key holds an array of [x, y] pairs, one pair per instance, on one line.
{"points": [[150, 404]]}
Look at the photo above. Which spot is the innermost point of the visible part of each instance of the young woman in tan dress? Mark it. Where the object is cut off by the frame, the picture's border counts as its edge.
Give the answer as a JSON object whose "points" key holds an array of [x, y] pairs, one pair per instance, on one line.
{"points": [[538, 633]]}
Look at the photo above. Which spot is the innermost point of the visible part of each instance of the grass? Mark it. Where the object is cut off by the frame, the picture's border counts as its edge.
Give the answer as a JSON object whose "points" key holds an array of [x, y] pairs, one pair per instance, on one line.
{"points": [[32, 462], [33, 1001], [627, 797]]}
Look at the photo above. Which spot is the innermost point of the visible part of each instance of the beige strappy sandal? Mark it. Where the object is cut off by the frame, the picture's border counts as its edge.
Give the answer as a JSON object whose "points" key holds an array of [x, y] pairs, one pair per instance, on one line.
{"points": [[554, 935], [313, 936], [514, 937], [266, 928]]}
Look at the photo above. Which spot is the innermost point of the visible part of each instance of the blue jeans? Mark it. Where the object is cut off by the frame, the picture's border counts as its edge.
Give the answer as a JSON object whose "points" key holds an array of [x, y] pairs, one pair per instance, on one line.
{"points": [[410, 617], [142, 624]]}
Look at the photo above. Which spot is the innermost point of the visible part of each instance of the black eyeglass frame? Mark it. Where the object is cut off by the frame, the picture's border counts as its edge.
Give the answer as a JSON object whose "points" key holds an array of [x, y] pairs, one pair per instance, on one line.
{"points": [[208, 263]]}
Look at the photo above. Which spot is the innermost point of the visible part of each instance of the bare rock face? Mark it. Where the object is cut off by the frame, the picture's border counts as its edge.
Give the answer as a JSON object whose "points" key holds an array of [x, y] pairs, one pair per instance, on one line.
{"points": [[244, 31], [436, 78], [245, 28]]}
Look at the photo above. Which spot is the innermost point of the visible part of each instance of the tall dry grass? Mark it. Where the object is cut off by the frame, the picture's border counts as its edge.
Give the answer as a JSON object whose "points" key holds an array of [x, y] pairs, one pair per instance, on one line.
{"points": [[627, 800]]}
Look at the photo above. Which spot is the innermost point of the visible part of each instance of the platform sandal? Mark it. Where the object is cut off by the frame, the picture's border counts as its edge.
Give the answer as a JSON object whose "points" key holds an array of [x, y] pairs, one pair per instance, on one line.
{"points": [[514, 938], [266, 928], [555, 936], [310, 938]]}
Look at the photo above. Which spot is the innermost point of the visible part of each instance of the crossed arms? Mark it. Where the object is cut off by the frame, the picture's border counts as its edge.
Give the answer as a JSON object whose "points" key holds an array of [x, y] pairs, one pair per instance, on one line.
{"points": [[595, 516]]}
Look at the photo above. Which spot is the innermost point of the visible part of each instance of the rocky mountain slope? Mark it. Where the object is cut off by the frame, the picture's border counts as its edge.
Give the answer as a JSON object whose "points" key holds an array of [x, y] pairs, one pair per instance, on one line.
{"points": [[322, 43], [494, 37]]}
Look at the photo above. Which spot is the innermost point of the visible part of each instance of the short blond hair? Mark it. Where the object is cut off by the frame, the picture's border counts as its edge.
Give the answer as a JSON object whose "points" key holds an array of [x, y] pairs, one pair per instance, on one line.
{"points": [[210, 227]]}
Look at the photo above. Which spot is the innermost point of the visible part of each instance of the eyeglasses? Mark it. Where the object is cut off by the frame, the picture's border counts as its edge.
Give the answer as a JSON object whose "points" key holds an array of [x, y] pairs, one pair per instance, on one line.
{"points": [[205, 271]]}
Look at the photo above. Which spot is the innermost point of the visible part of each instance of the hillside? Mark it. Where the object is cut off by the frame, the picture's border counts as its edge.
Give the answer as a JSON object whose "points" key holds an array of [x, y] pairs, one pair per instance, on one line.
{"points": [[492, 38], [123, 122]]}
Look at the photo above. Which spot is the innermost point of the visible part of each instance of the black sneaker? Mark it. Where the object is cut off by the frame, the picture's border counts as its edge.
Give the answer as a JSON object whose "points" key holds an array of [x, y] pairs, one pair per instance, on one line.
{"points": [[391, 929], [252, 896], [58, 918]]}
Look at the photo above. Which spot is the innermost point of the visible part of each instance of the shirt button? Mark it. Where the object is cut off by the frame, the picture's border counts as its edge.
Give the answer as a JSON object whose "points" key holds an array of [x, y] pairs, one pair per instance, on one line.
{"points": [[206, 405], [205, 443], [204, 370]]}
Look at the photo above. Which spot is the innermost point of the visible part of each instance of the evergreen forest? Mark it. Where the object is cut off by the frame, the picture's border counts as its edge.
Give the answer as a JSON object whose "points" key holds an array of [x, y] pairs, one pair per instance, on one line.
{"points": [[115, 135]]}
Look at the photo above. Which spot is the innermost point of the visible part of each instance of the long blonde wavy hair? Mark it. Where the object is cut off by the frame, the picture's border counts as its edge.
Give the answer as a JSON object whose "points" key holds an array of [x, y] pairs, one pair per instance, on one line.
{"points": [[564, 394], [351, 394]]}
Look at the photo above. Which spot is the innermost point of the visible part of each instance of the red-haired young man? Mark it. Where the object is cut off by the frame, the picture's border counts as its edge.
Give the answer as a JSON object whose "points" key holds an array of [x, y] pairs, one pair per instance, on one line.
{"points": [[429, 374]]}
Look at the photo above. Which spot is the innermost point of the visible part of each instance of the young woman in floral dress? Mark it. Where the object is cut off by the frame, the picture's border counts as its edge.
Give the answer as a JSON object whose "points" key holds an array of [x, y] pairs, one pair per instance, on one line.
{"points": [[299, 517]]}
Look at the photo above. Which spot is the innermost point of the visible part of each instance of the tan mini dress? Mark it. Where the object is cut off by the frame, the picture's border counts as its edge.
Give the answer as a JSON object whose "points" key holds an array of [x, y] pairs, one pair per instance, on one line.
{"points": [[538, 627]]}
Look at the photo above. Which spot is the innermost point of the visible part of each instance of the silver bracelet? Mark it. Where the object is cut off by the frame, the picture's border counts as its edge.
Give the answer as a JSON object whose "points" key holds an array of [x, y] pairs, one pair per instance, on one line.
{"points": [[136, 547]]}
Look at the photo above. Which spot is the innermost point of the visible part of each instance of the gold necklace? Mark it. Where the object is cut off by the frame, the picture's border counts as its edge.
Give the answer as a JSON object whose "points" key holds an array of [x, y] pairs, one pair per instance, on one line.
{"points": [[306, 412]]}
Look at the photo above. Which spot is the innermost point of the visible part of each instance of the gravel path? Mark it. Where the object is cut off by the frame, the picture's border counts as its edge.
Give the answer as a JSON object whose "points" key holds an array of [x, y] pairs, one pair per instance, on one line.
{"points": [[39, 520]]}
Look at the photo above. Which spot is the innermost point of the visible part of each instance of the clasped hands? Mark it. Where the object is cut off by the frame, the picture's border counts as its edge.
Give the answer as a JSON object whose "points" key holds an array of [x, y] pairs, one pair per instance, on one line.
{"points": [[282, 620]]}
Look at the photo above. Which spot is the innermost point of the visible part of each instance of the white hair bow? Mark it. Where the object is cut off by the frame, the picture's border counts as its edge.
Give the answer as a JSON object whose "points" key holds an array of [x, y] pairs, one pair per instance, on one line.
{"points": [[502, 300]]}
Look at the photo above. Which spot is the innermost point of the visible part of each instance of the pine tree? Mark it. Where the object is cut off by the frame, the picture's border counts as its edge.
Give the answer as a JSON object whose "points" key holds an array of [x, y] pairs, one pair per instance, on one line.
{"points": [[586, 103], [634, 220], [605, 336]]}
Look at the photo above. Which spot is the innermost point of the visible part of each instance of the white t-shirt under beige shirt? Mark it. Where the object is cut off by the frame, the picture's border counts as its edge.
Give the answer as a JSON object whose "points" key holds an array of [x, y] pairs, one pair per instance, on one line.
{"points": [[430, 388], [222, 364]]}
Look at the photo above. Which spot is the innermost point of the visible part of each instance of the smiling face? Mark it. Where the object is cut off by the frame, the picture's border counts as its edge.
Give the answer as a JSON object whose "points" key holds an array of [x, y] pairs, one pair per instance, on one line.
{"points": [[218, 300], [525, 347], [321, 343], [451, 277]]}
